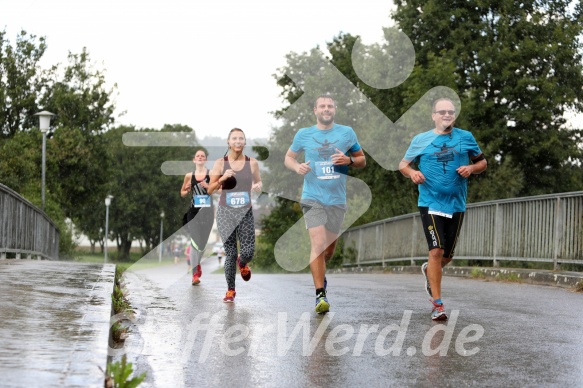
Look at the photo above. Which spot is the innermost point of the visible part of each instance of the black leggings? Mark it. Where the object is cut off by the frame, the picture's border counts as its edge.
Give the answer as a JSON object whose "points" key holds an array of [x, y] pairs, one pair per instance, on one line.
{"points": [[199, 229], [236, 224]]}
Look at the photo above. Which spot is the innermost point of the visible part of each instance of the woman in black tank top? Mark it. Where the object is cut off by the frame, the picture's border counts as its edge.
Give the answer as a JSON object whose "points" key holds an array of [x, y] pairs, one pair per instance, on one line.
{"points": [[236, 175], [201, 214]]}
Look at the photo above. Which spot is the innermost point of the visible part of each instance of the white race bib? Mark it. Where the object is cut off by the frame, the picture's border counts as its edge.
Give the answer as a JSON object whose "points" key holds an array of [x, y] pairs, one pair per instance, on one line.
{"points": [[326, 170], [238, 199], [438, 213]]}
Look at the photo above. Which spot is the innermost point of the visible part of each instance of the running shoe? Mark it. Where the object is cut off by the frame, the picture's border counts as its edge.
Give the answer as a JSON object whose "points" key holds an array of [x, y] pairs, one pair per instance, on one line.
{"points": [[438, 313], [199, 270], [424, 272], [195, 279], [322, 305], [245, 270], [230, 296]]}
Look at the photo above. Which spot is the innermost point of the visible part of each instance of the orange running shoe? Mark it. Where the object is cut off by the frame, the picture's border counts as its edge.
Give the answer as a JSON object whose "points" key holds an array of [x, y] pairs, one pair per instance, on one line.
{"points": [[245, 270], [230, 296]]}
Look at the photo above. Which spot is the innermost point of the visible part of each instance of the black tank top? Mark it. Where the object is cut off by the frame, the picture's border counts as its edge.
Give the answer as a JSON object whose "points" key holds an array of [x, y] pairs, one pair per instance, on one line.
{"points": [[242, 182], [196, 189]]}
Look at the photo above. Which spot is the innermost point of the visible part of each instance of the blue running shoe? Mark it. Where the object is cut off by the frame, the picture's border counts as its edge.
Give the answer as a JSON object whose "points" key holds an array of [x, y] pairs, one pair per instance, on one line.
{"points": [[438, 313], [322, 305]]}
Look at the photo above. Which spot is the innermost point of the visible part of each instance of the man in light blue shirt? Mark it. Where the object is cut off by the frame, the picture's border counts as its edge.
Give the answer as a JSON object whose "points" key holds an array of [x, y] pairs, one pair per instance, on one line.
{"points": [[443, 156], [328, 149]]}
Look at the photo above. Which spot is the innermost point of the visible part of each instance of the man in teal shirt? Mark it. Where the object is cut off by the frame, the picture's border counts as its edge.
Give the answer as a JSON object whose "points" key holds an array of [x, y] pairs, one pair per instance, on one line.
{"points": [[443, 156], [329, 149]]}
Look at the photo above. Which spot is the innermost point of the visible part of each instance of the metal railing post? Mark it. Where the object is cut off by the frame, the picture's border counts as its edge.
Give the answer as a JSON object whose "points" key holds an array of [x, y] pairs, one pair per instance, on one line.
{"points": [[497, 234], [383, 244], [559, 217], [359, 248]]}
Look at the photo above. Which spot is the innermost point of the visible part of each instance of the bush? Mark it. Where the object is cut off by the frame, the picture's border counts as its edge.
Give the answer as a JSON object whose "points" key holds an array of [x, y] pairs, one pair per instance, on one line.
{"points": [[118, 375], [264, 258]]}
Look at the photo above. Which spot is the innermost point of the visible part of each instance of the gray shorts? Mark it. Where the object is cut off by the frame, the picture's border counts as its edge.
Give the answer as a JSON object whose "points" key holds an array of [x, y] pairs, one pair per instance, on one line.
{"points": [[316, 214]]}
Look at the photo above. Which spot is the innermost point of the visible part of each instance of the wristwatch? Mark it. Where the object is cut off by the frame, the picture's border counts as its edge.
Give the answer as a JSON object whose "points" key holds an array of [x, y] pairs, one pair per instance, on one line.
{"points": [[351, 161]]}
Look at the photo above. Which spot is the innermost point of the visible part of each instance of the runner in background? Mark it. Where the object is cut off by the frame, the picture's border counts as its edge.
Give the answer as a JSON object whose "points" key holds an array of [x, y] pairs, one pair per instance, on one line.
{"points": [[201, 214]]}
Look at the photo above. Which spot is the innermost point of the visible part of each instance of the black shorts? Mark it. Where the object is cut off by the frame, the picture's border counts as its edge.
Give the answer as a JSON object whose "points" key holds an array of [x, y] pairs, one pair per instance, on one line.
{"points": [[440, 231]]}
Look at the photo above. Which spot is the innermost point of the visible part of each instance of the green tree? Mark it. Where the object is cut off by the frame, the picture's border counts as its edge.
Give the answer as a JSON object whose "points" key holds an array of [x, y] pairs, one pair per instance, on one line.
{"points": [[515, 66], [20, 163], [518, 69], [84, 109], [78, 171], [21, 82], [79, 96], [20, 170], [77, 164]]}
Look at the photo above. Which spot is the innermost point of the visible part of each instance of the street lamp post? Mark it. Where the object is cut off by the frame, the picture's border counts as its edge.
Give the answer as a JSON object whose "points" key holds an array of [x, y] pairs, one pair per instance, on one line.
{"points": [[107, 203], [44, 118], [161, 226]]}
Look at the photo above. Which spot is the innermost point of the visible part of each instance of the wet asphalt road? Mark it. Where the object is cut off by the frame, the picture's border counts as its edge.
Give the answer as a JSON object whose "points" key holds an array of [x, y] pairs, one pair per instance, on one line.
{"points": [[378, 333], [54, 323]]}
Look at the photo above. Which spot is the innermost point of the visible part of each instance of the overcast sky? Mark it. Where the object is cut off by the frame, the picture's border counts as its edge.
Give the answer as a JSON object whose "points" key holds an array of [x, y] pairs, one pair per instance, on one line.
{"points": [[208, 65], [204, 64]]}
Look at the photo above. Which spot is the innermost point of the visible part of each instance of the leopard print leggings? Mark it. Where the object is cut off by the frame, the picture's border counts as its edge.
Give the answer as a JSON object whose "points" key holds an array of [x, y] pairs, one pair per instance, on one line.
{"points": [[233, 224]]}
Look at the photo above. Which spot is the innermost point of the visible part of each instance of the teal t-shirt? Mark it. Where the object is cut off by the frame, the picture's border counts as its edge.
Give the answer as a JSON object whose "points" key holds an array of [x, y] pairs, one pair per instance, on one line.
{"points": [[325, 183], [438, 157]]}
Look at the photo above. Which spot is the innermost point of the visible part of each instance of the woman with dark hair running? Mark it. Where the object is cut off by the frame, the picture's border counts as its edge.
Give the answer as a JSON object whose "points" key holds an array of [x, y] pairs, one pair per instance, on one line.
{"points": [[237, 175], [201, 214]]}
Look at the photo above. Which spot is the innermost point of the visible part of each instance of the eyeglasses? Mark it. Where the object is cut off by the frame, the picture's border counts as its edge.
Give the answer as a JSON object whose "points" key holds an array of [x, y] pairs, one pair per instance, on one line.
{"points": [[443, 112]]}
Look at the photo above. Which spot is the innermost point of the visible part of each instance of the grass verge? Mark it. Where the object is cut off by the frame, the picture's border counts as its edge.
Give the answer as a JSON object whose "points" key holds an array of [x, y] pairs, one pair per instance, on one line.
{"points": [[120, 305], [511, 277], [477, 273], [119, 373]]}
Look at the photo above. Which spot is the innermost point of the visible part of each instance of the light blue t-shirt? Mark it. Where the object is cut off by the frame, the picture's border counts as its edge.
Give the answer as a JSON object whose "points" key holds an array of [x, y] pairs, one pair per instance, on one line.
{"points": [[438, 157], [325, 183]]}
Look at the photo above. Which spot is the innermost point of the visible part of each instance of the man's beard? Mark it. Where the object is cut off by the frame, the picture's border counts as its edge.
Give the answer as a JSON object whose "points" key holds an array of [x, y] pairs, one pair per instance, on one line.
{"points": [[324, 121]]}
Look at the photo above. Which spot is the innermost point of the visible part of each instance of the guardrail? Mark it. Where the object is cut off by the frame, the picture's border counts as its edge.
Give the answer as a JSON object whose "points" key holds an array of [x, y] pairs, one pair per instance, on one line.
{"points": [[544, 228], [25, 230]]}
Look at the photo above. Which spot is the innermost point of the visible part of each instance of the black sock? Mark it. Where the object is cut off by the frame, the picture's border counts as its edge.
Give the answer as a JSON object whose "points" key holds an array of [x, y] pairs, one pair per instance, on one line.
{"points": [[320, 291]]}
